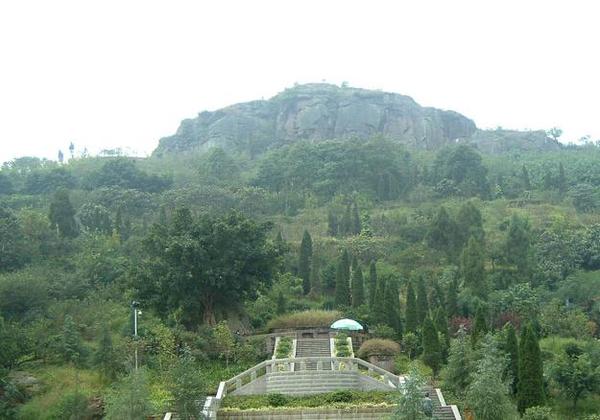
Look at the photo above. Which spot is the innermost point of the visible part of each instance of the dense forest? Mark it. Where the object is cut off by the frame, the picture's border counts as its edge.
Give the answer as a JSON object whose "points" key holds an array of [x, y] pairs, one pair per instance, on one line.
{"points": [[484, 268]]}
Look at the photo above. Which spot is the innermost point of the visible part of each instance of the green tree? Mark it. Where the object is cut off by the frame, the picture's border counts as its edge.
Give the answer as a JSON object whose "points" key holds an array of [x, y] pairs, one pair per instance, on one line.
{"points": [[372, 284], [332, 224], [218, 167], [472, 264], [432, 355], [187, 387], [410, 398], [13, 346], [316, 285], [530, 387], [224, 341], [511, 347], [561, 181], [12, 242], [356, 224], [479, 325], [517, 243], [197, 267], [358, 291], [469, 223], [72, 345], [62, 215], [452, 298], [378, 313], [346, 225], [342, 281], [487, 395], [457, 372], [422, 303], [576, 376], [105, 357], [95, 218], [462, 166], [441, 325], [442, 232], [130, 398], [525, 178], [304, 261], [391, 306], [281, 303], [411, 316]]}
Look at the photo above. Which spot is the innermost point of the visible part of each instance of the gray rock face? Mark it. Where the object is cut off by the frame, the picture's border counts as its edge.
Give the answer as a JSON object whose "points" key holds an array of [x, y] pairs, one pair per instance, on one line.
{"points": [[318, 112], [503, 141]]}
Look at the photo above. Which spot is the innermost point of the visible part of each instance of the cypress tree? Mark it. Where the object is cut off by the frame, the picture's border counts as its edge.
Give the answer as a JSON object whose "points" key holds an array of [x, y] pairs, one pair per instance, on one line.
{"points": [[358, 290], [281, 303], [315, 273], [479, 326], [411, 316], [432, 356], [342, 280], [441, 325], [372, 284], [525, 178], [452, 299], [356, 225], [472, 267], [332, 224], [442, 231], [378, 311], [530, 388], [562, 180], [422, 304], [436, 297], [511, 347], [391, 306], [304, 261], [346, 225], [71, 341], [354, 264], [62, 215]]}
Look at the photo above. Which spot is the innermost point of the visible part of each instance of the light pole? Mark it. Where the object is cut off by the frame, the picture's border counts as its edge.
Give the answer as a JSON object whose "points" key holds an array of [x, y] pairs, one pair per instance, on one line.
{"points": [[134, 306]]}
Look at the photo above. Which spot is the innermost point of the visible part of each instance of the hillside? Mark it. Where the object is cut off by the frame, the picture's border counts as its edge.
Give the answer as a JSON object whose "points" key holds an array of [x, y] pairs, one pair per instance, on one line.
{"points": [[322, 111]]}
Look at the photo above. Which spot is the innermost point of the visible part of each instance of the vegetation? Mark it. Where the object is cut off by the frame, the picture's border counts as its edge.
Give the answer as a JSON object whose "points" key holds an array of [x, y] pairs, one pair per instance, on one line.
{"points": [[312, 318], [378, 347]]}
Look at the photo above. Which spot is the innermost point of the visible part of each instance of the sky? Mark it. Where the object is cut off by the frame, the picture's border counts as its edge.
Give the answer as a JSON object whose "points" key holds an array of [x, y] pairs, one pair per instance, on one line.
{"points": [[107, 74]]}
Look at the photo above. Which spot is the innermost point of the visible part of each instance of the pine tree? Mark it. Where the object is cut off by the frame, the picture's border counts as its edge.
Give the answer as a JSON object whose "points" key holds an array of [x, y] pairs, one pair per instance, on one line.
{"points": [[304, 261], [422, 304], [281, 303], [432, 355], [391, 306], [479, 326], [62, 215], [105, 356], [452, 299], [525, 178], [315, 273], [356, 225], [530, 388], [342, 280], [411, 316], [332, 224], [472, 268], [358, 291], [372, 283], [378, 311], [469, 223], [440, 321], [511, 348], [442, 232], [517, 244]]}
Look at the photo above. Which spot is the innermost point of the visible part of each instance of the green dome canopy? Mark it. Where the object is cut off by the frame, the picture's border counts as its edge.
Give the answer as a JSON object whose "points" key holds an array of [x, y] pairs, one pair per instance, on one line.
{"points": [[346, 324]]}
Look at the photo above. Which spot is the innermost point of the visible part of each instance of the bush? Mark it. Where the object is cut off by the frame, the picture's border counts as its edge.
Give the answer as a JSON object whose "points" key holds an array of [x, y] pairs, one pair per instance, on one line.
{"points": [[306, 319], [378, 347], [342, 349], [284, 348], [342, 396], [277, 400], [403, 364], [537, 413], [384, 331]]}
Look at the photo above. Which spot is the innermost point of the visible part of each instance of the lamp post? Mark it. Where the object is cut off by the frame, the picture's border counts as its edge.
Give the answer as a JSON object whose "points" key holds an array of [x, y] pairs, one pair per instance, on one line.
{"points": [[134, 306]]}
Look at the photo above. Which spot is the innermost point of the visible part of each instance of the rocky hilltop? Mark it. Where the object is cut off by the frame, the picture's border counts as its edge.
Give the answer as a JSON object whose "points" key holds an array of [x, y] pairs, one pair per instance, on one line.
{"points": [[323, 111]]}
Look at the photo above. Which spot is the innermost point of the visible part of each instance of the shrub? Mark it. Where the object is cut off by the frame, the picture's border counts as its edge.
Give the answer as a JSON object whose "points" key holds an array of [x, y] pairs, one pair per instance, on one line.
{"points": [[277, 400], [384, 331], [537, 413], [341, 345], [306, 319], [342, 396], [378, 347], [284, 348]]}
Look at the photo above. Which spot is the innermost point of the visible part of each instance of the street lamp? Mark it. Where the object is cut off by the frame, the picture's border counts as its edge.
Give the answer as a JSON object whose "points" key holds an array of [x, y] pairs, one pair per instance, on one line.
{"points": [[134, 306]]}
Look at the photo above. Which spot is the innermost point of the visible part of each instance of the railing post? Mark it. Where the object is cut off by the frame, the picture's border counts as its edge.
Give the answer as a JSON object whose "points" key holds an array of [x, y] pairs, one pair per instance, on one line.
{"points": [[253, 375], [238, 383]]}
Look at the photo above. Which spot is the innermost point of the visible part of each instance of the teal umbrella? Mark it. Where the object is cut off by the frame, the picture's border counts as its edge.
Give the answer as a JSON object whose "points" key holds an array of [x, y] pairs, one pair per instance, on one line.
{"points": [[346, 324]]}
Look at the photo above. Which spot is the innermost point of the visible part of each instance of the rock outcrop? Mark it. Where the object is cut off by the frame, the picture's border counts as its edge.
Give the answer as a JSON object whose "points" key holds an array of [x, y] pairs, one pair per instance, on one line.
{"points": [[319, 112]]}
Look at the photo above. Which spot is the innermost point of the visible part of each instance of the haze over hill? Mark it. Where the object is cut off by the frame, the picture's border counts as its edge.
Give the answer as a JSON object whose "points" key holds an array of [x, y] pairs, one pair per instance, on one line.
{"points": [[320, 111]]}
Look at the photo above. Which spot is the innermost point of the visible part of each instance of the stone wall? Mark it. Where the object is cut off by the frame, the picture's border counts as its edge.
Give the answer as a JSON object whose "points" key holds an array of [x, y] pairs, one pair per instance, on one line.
{"points": [[352, 413]]}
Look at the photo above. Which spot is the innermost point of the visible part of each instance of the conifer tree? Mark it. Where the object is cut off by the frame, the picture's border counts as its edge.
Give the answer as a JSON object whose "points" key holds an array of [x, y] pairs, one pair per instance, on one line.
{"points": [[525, 178], [469, 223], [62, 215], [472, 268], [517, 244], [422, 303], [378, 311], [457, 373], [511, 348], [530, 388], [561, 181], [356, 225], [479, 326], [432, 355], [162, 216], [105, 356], [332, 224], [304, 261], [281, 303], [346, 225], [372, 283], [411, 316], [358, 289], [442, 232], [391, 306], [452, 299], [315, 272], [71, 341], [342, 281], [440, 321], [354, 264]]}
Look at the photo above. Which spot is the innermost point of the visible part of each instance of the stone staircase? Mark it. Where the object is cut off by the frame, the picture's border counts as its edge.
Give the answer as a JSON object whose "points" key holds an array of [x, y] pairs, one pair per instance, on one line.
{"points": [[313, 347], [439, 412], [311, 382]]}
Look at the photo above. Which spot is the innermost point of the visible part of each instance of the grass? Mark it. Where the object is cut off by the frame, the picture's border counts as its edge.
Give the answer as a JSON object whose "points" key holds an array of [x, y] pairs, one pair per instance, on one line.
{"points": [[305, 319], [329, 399]]}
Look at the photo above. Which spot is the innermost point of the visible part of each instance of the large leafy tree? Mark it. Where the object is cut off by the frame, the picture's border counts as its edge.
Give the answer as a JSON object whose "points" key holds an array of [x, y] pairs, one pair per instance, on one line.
{"points": [[462, 165], [199, 266], [576, 375]]}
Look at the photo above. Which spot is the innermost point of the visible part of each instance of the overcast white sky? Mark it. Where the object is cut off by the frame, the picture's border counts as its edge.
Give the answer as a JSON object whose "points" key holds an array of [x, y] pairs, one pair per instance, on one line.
{"points": [[107, 74]]}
